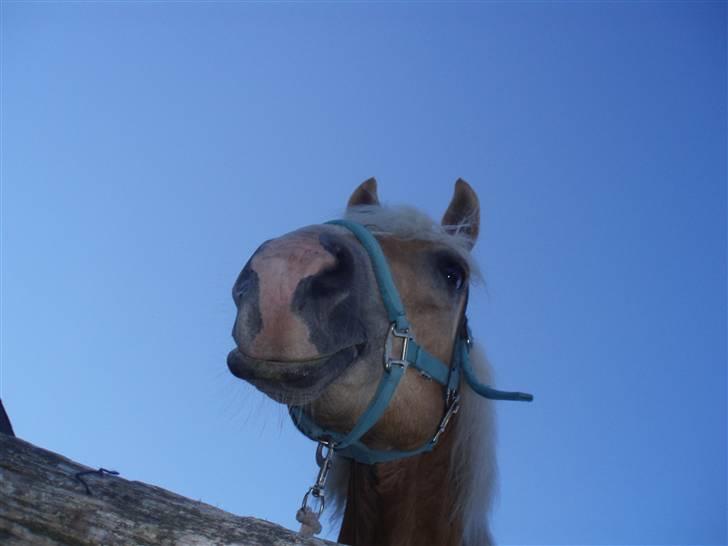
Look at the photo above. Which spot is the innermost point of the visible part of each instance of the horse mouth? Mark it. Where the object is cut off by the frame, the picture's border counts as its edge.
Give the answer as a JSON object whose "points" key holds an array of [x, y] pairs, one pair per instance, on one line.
{"points": [[293, 381]]}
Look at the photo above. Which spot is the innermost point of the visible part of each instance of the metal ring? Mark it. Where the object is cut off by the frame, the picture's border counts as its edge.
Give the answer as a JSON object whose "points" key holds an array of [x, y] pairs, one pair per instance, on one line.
{"points": [[319, 496]]}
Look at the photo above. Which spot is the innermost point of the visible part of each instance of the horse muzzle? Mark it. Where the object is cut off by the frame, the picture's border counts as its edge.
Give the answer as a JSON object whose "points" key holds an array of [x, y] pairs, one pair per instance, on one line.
{"points": [[300, 300]]}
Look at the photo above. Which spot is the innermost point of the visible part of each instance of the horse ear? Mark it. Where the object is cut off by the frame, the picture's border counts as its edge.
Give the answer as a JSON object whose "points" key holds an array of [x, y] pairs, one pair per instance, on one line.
{"points": [[463, 214], [365, 194]]}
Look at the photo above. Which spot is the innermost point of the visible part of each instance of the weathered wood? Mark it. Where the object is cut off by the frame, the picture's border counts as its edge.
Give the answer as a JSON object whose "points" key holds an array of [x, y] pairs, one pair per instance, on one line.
{"points": [[42, 502]]}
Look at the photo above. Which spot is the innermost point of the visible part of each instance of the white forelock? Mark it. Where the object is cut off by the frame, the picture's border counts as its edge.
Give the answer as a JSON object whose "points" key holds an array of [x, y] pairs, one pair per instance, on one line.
{"points": [[408, 223]]}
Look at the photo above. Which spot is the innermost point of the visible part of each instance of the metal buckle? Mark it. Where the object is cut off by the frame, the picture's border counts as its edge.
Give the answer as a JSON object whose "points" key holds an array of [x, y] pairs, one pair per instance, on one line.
{"points": [[405, 336], [451, 410]]}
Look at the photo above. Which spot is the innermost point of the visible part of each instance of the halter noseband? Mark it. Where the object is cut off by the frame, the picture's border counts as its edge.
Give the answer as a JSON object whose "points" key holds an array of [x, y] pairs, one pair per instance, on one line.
{"points": [[411, 354]]}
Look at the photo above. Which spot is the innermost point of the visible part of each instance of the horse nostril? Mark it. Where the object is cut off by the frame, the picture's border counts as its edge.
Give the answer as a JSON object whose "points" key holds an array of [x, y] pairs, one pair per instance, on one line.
{"points": [[336, 278], [324, 289], [246, 281]]}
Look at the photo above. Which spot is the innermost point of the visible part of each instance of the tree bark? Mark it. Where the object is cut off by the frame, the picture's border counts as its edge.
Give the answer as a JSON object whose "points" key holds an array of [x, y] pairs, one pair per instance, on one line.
{"points": [[43, 501]]}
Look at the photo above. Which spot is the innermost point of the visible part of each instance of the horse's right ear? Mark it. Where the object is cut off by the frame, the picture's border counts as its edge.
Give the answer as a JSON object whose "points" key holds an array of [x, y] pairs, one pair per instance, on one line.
{"points": [[365, 194], [462, 216]]}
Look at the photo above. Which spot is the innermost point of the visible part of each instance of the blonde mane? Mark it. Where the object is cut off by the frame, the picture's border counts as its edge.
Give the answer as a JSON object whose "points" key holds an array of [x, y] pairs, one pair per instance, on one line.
{"points": [[405, 222], [472, 466]]}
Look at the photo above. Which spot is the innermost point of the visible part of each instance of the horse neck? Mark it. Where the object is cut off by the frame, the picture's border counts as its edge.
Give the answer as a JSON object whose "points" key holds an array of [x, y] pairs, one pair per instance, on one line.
{"points": [[404, 503]]}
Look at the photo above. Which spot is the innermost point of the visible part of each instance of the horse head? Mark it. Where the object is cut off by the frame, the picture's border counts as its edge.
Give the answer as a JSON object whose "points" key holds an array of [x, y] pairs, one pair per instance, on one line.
{"points": [[358, 325], [311, 328]]}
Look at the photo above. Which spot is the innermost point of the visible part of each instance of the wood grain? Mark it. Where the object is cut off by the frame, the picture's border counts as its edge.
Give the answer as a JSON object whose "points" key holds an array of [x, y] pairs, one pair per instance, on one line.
{"points": [[42, 502]]}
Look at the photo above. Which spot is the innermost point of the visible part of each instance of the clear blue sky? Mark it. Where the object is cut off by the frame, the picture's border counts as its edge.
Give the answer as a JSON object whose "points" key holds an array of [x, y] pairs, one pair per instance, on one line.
{"points": [[148, 148]]}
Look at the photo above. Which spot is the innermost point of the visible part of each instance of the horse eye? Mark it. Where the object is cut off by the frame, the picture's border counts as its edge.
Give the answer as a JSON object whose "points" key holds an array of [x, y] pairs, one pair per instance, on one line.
{"points": [[454, 275]]}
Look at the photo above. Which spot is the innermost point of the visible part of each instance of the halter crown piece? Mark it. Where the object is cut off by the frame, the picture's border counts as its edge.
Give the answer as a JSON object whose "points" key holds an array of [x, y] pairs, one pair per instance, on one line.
{"points": [[412, 354]]}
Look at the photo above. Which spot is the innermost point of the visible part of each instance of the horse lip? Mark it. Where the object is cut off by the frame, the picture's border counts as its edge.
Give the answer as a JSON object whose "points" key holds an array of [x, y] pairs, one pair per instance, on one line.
{"points": [[241, 357], [281, 379]]}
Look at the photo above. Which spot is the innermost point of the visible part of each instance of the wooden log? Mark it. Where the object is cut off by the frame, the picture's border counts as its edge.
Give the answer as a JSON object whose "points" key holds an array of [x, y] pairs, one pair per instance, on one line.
{"points": [[43, 501]]}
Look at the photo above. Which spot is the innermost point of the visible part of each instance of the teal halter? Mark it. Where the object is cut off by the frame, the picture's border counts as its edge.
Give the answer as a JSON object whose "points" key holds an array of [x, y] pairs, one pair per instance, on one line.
{"points": [[412, 354]]}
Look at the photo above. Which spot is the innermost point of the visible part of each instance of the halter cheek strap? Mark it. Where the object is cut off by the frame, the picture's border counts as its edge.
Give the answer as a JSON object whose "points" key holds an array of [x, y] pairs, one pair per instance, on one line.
{"points": [[411, 354]]}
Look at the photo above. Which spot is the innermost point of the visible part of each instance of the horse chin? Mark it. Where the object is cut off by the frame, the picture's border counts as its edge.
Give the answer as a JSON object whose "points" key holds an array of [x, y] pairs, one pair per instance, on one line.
{"points": [[293, 382]]}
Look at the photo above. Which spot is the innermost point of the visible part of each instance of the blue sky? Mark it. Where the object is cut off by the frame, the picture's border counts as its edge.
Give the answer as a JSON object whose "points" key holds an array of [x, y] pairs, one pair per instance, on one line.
{"points": [[148, 148]]}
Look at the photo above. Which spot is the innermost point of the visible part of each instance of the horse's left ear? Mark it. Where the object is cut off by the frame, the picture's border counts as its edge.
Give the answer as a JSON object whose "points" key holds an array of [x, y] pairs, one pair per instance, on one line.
{"points": [[365, 194], [463, 214]]}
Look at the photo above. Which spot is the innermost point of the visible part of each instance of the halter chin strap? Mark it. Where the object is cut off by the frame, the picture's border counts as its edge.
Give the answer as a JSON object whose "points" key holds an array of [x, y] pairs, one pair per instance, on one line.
{"points": [[411, 354]]}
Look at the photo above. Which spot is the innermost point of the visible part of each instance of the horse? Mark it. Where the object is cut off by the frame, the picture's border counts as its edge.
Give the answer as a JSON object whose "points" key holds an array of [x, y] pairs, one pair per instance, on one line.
{"points": [[406, 451]]}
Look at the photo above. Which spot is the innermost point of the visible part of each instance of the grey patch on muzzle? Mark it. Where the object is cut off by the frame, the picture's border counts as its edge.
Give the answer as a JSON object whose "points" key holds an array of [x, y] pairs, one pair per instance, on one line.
{"points": [[330, 302], [246, 293]]}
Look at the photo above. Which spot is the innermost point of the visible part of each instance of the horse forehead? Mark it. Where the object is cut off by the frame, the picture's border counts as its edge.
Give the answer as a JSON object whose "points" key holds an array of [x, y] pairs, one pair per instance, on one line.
{"points": [[406, 257], [398, 249]]}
